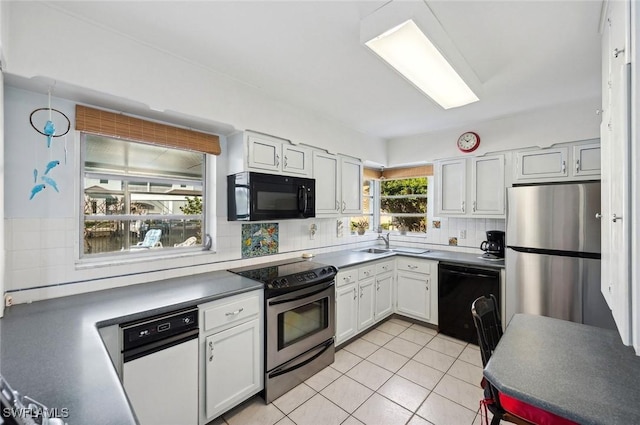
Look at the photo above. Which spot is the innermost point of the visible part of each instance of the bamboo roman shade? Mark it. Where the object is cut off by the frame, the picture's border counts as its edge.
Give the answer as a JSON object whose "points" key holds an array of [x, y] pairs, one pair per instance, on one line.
{"points": [[111, 124], [399, 173]]}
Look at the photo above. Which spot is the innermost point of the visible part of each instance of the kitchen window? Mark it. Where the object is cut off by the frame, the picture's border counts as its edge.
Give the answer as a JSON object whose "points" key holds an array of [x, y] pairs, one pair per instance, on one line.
{"points": [[140, 197], [367, 220], [403, 204], [394, 205]]}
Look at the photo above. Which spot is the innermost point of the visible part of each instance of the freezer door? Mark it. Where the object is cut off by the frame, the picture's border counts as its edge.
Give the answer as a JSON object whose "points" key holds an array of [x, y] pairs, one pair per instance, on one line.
{"points": [[556, 217], [562, 287], [545, 285]]}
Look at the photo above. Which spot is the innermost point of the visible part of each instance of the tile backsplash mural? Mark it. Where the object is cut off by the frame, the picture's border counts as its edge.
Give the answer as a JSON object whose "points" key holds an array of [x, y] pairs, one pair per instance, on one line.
{"points": [[259, 239]]}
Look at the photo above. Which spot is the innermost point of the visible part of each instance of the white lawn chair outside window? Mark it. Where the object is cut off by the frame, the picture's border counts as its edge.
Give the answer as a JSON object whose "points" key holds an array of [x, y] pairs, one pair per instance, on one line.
{"points": [[151, 240]]}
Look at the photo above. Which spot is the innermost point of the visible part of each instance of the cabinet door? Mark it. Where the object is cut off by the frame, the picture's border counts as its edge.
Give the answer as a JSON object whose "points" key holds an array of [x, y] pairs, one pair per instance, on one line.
{"points": [[366, 303], [296, 160], [586, 160], [541, 164], [325, 171], [384, 295], [615, 184], [232, 367], [413, 295], [346, 312], [351, 186], [487, 186], [264, 153], [451, 187]]}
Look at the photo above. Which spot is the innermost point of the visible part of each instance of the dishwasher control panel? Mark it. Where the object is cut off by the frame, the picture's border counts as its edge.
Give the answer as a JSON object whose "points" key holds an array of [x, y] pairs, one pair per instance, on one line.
{"points": [[146, 331]]}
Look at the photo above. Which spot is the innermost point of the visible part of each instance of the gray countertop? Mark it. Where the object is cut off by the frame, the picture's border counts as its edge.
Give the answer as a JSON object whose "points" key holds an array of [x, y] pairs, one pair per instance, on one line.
{"points": [[576, 371], [348, 258], [52, 352]]}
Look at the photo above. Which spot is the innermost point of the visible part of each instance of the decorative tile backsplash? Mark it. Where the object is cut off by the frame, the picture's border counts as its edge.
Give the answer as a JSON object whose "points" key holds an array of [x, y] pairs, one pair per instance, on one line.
{"points": [[259, 239]]}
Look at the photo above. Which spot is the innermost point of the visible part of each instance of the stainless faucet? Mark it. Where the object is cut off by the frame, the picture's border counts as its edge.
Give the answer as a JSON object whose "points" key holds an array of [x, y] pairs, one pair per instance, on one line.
{"points": [[386, 240]]}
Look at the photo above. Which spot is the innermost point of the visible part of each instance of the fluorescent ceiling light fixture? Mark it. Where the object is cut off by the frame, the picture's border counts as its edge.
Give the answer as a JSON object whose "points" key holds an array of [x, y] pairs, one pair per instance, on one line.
{"points": [[412, 54]]}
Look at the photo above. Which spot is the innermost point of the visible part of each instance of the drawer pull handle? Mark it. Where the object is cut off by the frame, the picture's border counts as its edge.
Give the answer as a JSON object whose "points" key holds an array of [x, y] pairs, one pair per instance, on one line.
{"points": [[235, 313], [411, 266], [354, 293], [210, 351]]}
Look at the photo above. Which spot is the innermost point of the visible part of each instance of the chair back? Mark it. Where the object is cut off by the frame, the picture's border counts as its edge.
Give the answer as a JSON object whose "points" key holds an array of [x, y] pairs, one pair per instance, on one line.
{"points": [[486, 317], [151, 238]]}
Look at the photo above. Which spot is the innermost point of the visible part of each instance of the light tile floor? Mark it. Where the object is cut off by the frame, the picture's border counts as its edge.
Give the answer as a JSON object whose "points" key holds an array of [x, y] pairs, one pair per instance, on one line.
{"points": [[399, 373]]}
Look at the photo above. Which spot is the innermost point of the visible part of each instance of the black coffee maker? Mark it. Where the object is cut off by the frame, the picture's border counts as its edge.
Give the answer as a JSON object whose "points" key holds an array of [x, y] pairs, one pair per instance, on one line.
{"points": [[493, 247]]}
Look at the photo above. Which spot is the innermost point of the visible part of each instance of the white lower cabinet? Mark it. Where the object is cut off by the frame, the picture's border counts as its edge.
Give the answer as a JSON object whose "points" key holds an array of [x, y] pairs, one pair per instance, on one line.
{"points": [[366, 302], [416, 289], [413, 295], [231, 353], [384, 295], [364, 296], [346, 312]]}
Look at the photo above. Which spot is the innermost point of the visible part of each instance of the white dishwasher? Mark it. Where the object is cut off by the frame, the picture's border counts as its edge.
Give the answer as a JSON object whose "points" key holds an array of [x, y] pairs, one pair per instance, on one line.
{"points": [[160, 368]]}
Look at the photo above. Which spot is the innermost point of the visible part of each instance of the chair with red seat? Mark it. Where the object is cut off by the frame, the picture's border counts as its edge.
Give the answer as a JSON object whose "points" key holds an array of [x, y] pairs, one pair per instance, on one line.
{"points": [[486, 317]]}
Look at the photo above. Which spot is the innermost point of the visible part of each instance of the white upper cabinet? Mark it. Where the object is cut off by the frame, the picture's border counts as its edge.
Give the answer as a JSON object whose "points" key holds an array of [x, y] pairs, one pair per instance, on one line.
{"points": [[542, 163], [351, 185], [451, 187], [586, 160], [570, 162], [264, 153], [487, 185], [338, 184], [326, 169], [473, 187], [251, 151]]}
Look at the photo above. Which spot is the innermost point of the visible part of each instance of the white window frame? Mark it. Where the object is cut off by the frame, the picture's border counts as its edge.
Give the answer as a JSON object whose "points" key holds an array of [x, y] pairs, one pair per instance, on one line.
{"points": [[205, 218]]}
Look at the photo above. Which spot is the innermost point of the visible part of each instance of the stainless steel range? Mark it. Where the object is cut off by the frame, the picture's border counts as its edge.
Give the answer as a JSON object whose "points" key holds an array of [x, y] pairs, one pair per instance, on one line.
{"points": [[299, 321]]}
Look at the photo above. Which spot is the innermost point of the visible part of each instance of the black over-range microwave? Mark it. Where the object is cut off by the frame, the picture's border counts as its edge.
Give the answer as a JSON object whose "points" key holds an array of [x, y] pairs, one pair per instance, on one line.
{"points": [[257, 196]]}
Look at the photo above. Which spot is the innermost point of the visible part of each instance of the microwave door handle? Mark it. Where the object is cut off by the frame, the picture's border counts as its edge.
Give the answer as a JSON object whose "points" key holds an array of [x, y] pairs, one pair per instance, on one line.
{"points": [[302, 199]]}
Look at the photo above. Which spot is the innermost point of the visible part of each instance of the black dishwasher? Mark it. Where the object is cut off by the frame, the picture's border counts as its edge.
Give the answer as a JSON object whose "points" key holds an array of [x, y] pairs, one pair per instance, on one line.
{"points": [[458, 287]]}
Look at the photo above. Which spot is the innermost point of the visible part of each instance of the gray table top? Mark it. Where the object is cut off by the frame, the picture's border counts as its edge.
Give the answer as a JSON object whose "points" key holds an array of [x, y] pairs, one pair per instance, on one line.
{"points": [[576, 371]]}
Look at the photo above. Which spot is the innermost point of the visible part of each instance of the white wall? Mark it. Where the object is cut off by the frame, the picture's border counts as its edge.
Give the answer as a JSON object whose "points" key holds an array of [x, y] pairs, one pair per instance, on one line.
{"points": [[42, 238], [90, 57], [542, 128]]}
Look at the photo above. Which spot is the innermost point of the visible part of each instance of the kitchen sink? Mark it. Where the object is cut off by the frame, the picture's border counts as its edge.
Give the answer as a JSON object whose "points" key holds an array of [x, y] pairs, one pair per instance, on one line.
{"points": [[375, 250]]}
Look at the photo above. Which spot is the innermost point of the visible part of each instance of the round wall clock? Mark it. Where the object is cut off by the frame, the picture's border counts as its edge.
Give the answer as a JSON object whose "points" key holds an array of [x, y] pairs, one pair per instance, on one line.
{"points": [[468, 142]]}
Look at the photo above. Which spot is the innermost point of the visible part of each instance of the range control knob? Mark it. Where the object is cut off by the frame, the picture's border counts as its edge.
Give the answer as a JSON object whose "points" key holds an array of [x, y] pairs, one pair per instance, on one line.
{"points": [[323, 271], [186, 320]]}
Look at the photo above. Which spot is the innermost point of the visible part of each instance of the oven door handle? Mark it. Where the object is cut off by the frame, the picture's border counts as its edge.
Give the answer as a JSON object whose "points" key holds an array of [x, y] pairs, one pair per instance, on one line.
{"points": [[281, 371], [301, 297]]}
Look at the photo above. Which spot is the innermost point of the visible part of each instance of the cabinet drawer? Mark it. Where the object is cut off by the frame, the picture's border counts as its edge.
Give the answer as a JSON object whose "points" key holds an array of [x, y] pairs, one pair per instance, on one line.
{"points": [[413, 265], [366, 271], [387, 266], [230, 312], [346, 277]]}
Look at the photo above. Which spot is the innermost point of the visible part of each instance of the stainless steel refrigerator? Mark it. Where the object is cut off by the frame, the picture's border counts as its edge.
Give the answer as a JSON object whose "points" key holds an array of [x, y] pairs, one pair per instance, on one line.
{"points": [[553, 253]]}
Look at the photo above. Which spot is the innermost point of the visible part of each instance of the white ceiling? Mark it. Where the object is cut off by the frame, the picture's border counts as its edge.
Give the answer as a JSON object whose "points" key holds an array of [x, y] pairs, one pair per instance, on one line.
{"points": [[526, 54]]}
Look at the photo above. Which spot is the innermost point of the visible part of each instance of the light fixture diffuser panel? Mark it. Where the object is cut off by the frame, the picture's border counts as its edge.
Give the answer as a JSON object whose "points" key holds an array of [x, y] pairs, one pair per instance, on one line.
{"points": [[413, 55]]}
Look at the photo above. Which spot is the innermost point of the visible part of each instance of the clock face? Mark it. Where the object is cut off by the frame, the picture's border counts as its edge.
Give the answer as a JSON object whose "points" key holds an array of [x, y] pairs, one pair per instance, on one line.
{"points": [[468, 142]]}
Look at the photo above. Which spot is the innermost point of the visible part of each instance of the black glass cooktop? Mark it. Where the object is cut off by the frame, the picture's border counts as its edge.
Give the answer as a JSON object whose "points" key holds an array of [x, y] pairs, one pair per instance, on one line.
{"points": [[288, 275]]}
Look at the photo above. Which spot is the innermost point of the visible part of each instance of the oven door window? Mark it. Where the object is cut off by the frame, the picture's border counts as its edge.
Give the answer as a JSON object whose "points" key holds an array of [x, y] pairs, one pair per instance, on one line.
{"points": [[301, 322]]}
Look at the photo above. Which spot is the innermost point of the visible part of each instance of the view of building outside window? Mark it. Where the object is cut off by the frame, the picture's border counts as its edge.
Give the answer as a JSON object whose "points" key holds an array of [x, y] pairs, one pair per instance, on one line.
{"points": [[140, 197]]}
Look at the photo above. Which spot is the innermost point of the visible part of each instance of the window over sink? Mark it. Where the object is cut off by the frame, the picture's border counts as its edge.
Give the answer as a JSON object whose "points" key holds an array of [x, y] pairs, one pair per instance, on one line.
{"points": [[394, 205]]}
